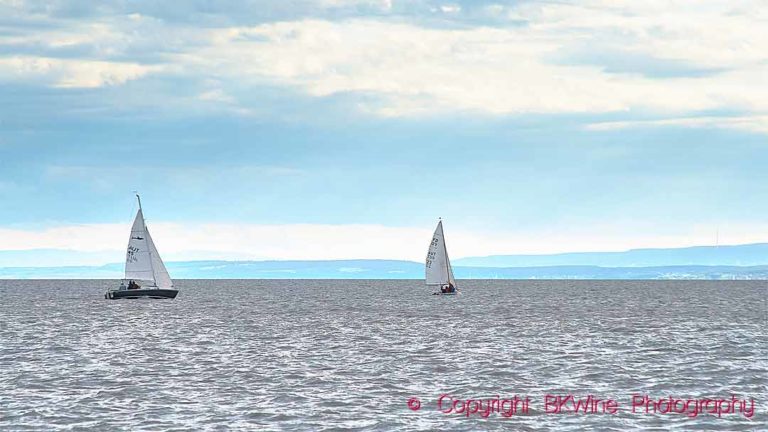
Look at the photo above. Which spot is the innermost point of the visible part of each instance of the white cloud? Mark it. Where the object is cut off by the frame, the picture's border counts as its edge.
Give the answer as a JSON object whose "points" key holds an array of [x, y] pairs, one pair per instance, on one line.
{"points": [[215, 95], [414, 70], [84, 238], [383, 5], [450, 8], [235, 241], [718, 33], [70, 73], [322, 242], [757, 124]]}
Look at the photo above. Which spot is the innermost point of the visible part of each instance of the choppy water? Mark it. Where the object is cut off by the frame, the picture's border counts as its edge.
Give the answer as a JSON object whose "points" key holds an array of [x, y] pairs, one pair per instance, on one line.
{"points": [[323, 355]]}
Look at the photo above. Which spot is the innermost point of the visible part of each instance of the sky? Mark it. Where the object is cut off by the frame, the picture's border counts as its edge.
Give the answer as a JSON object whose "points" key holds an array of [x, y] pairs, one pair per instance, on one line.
{"points": [[332, 129]]}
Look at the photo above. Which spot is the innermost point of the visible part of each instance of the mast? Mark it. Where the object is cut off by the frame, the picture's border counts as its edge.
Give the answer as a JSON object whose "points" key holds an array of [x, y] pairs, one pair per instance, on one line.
{"points": [[146, 236]]}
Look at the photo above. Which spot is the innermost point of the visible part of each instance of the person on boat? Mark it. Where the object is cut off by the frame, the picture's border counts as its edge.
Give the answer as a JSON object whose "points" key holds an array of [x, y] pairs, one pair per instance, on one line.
{"points": [[451, 288], [133, 285]]}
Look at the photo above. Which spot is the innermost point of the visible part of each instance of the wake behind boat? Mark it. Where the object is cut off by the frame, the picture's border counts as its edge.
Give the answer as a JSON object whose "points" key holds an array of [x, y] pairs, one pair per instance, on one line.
{"points": [[145, 273], [438, 267]]}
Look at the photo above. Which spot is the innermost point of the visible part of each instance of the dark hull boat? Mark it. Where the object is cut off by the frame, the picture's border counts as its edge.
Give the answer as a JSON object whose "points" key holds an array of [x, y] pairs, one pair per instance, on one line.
{"points": [[156, 293], [145, 272]]}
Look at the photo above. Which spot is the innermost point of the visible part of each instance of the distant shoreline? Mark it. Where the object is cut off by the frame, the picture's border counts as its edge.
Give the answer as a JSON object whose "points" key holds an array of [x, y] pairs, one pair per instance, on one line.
{"points": [[392, 270]]}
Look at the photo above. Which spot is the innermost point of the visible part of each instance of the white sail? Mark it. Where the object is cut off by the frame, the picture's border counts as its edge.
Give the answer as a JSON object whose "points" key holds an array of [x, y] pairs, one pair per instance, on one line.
{"points": [[138, 264], [162, 278], [438, 266], [142, 262]]}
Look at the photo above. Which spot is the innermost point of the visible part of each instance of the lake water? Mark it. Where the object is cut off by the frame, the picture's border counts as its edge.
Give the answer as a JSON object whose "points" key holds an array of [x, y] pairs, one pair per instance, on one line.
{"points": [[330, 355]]}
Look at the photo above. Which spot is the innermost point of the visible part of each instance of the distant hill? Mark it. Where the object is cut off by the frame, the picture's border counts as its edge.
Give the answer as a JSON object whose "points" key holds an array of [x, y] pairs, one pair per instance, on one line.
{"points": [[384, 269], [702, 262], [738, 255]]}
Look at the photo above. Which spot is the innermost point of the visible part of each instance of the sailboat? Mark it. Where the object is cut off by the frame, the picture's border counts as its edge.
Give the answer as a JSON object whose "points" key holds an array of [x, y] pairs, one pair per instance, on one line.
{"points": [[145, 273], [438, 266]]}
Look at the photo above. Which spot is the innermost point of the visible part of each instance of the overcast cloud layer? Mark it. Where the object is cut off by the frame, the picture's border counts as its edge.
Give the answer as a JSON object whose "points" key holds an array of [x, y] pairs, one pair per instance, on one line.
{"points": [[657, 58], [516, 121]]}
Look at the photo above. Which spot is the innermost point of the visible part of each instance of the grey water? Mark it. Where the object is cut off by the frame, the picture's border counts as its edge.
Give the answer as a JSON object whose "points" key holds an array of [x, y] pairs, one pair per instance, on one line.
{"points": [[349, 355]]}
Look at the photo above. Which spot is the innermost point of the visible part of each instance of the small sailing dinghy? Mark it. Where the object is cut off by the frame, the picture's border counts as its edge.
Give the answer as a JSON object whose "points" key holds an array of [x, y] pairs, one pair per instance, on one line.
{"points": [[145, 273], [438, 266]]}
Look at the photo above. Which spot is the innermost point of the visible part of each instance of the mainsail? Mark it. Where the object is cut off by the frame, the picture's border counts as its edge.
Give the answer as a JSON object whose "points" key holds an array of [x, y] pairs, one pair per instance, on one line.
{"points": [[438, 266], [142, 262]]}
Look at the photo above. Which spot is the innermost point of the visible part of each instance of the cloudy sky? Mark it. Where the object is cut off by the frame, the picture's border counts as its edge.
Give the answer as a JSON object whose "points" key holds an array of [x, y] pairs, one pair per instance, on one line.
{"points": [[311, 129]]}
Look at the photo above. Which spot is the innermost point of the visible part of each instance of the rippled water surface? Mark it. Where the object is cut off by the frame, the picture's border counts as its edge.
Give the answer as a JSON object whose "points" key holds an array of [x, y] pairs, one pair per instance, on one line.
{"points": [[323, 355]]}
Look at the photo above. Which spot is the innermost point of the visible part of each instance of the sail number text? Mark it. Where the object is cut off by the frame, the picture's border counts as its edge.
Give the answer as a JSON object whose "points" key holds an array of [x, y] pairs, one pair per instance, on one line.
{"points": [[431, 254], [131, 256]]}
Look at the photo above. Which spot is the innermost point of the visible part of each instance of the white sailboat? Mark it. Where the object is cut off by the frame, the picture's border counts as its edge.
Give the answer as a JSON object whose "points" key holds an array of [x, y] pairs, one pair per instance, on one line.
{"points": [[438, 267], [145, 273]]}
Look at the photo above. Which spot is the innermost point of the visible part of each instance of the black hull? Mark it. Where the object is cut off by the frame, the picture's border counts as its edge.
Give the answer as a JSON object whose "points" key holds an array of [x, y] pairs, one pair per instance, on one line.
{"points": [[142, 293]]}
